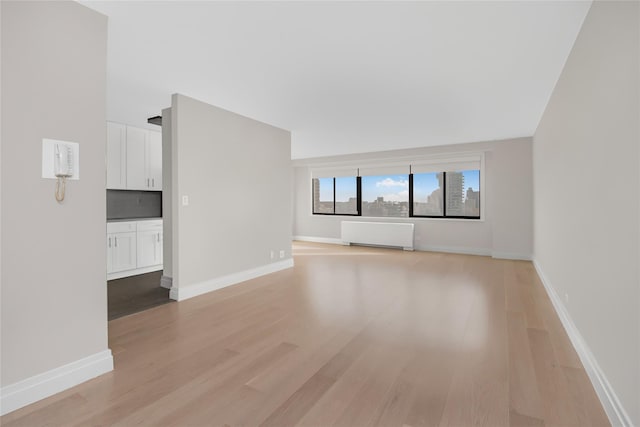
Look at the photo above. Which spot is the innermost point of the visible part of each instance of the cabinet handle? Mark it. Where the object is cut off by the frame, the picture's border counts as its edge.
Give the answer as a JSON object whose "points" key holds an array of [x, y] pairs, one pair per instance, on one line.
{"points": [[147, 182], [153, 182], [158, 236], [109, 241], [116, 241]]}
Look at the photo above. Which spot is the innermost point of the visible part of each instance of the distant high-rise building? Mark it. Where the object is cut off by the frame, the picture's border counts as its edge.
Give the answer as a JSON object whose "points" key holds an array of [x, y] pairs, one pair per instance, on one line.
{"points": [[455, 194], [472, 203], [316, 194], [435, 201]]}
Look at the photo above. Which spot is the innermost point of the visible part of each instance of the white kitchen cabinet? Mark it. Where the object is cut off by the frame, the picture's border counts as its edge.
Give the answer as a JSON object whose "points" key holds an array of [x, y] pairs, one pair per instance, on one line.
{"points": [[134, 158], [154, 160], [137, 141], [121, 246], [149, 244], [116, 156], [133, 247]]}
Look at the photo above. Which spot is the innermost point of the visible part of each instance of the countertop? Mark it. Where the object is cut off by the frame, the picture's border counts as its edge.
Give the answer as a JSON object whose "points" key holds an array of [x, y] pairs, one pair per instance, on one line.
{"points": [[134, 219]]}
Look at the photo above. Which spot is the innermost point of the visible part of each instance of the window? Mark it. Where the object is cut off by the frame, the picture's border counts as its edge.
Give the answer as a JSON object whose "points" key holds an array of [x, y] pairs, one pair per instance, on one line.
{"points": [[323, 196], [463, 194], [472, 193], [428, 194], [337, 196], [385, 196], [453, 194], [346, 195], [443, 189]]}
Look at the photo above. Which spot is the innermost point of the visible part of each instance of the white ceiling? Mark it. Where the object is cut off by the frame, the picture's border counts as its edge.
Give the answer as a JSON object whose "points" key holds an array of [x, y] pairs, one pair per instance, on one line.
{"points": [[346, 77]]}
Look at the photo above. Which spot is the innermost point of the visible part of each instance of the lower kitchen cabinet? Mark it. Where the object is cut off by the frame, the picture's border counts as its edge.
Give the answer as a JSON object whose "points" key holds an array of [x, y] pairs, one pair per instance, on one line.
{"points": [[133, 247], [121, 246], [149, 243]]}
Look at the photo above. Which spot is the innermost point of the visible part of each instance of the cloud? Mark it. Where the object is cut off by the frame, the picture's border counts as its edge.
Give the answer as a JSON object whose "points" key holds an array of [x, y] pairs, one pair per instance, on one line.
{"points": [[388, 182], [401, 196]]}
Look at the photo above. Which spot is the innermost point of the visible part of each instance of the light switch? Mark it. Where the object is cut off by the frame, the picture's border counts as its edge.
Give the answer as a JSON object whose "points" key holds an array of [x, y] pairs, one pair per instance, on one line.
{"points": [[185, 200]]}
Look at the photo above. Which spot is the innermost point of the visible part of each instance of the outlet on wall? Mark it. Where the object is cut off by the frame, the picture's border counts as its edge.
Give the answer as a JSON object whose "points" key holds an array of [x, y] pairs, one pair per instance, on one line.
{"points": [[281, 254], [273, 254]]}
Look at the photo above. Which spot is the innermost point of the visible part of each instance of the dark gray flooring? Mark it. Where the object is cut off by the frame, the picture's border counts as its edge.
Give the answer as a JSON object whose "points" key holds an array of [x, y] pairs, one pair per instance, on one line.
{"points": [[136, 293]]}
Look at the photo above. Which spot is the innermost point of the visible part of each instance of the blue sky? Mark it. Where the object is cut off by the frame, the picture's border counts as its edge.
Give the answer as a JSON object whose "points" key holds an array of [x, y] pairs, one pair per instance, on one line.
{"points": [[345, 188], [391, 187], [326, 189], [394, 188], [424, 184]]}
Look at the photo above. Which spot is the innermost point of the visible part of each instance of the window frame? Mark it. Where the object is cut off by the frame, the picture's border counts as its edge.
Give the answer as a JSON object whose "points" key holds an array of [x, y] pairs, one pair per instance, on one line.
{"points": [[444, 200], [358, 199], [442, 161], [385, 217]]}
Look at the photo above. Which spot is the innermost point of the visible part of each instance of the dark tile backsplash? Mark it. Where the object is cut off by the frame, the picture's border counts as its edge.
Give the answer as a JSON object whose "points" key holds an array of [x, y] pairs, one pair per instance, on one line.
{"points": [[125, 204]]}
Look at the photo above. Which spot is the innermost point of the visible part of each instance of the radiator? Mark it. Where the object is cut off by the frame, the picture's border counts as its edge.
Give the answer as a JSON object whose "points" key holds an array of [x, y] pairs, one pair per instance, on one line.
{"points": [[378, 234]]}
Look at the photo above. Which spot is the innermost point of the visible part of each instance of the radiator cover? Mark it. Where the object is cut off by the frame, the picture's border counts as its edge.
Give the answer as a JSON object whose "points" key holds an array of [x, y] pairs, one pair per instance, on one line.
{"points": [[378, 234]]}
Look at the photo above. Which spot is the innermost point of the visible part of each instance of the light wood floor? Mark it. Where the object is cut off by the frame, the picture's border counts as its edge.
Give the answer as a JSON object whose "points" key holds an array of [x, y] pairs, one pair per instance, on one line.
{"points": [[350, 336]]}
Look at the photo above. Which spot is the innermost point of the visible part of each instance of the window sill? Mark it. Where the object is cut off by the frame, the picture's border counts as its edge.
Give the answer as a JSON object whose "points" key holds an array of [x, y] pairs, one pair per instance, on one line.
{"points": [[395, 218]]}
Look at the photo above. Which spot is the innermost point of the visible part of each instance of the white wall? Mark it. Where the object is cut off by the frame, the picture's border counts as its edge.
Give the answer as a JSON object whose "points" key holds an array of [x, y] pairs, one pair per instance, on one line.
{"points": [[506, 226], [54, 292], [236, 173], [167, 219], [586, 172]]}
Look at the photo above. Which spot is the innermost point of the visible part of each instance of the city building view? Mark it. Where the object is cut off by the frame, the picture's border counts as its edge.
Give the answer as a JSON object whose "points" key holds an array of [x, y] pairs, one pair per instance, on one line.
{"points": [[383, 208], [459, 202], [346, 200], [388, 196]]}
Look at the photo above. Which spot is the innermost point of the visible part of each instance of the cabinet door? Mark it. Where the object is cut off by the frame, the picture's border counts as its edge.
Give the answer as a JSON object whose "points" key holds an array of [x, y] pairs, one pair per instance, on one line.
{"points": [[159, 246], [116, 156], [136, 159], [109, 253], [154, 160], [148, 243], [123, 256]]}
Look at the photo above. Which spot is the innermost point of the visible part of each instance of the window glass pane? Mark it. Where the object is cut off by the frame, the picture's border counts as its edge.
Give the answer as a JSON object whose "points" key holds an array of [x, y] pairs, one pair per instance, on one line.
{"points": [[322, 195], [347, 195], [385, 195], [463, 193], [427, 194]]}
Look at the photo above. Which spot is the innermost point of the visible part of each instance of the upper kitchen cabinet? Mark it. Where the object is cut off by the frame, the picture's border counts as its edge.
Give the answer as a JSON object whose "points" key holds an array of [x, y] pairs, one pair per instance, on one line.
{"points": [[154, 160], [116, 156], [134, 158], [137, 145]]}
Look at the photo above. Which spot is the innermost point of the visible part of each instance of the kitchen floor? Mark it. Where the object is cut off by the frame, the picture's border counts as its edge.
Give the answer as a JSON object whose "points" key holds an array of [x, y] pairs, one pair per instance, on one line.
{"points": [[136, 293]]}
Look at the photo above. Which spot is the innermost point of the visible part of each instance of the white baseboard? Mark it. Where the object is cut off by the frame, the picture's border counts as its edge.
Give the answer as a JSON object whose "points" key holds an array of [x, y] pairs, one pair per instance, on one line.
{"points": [[511, 255], [30, 390], [329, 240], [417, 247], [610, 402], [453, 250], [183, 293], [166, 282]]}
